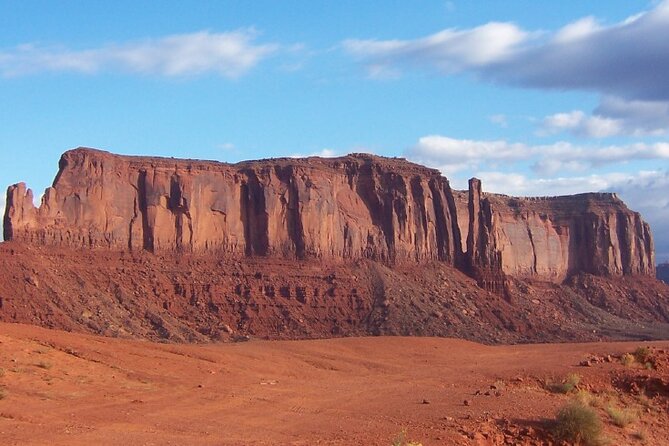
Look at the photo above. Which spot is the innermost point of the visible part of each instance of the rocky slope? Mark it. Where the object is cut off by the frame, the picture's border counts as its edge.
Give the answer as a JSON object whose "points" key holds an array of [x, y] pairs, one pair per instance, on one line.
{"points": [[302, 248], [194, 298]]}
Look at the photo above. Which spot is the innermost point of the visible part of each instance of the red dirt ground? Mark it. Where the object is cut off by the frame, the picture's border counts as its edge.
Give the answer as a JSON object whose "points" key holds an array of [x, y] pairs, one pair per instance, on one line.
{"points": [[61, 388]]}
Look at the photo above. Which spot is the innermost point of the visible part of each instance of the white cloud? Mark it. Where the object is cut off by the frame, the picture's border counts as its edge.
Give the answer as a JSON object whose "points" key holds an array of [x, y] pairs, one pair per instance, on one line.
{"points": [[629, 59], [614, 116], [578, 123], [453, 155], [577, 30], [324, 153], [450, 50], [229, 54], [522, 185]]}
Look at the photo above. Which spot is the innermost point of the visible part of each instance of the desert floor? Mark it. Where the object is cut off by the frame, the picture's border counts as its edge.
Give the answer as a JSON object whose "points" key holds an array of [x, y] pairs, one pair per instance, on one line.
{"points": [[59, 388]]}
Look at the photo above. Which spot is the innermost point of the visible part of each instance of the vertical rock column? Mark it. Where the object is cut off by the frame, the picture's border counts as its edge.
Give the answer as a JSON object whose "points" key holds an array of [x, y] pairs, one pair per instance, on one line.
{"points": [[483, 258]]}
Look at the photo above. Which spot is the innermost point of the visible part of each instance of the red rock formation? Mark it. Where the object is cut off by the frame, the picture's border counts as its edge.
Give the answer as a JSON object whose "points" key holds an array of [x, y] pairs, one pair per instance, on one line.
{"points": [[357, 206], [484, 258], [554, 237]]}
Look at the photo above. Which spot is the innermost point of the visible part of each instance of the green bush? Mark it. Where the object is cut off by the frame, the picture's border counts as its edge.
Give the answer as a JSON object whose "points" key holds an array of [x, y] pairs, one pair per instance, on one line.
{"points": [[577, 424]]}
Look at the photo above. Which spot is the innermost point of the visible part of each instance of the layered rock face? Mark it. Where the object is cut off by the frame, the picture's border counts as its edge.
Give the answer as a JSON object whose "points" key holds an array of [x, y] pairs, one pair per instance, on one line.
{"points": [[353, 207], [359, 206]]}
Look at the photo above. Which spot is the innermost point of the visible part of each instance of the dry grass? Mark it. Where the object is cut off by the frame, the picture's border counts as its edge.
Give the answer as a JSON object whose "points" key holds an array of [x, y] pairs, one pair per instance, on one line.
{"points": [[566, 385], [627, 359], [642, 355], [578, 424], [587, 399], [621, 417], [44, 365], [401, 440]]}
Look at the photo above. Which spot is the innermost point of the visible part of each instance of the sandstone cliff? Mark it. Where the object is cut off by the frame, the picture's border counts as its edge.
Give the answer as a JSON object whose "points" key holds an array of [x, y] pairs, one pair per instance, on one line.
{"points": [[354, 207], [359, 206]]}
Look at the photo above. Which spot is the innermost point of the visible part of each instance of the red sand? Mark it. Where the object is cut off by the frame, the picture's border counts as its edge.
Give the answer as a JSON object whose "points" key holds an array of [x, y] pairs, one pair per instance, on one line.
{"points": [[67, 389]]}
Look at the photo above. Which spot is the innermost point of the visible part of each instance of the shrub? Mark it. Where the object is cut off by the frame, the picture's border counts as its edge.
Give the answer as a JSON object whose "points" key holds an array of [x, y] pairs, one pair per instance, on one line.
{"points": [[621, 417], [401, 440], [566, 385], [577, 424], [586, 398], [627, 359], [642, 355]]}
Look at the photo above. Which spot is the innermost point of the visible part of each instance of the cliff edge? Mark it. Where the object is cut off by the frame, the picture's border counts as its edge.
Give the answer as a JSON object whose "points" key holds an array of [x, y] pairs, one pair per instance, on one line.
{"points": [[354, 207]]}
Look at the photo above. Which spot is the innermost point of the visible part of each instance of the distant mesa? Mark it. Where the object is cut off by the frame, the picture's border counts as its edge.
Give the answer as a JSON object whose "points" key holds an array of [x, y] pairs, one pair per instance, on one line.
{"points": [[358, 206]]}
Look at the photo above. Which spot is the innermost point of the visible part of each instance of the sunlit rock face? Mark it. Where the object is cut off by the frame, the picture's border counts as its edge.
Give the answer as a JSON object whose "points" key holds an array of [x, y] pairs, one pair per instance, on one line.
{"points": [[354, 207]]}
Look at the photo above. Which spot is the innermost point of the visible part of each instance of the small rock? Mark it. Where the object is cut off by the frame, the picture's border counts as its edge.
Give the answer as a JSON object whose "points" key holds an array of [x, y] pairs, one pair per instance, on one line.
{"points": [[466, 402], [425, 402]]}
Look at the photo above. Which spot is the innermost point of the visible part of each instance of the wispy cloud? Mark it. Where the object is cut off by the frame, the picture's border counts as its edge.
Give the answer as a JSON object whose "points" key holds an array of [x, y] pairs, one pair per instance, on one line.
{"points": [[452, 155], [614, 116], [450, 50], [229, 54], [323, 153], [578, 123]]}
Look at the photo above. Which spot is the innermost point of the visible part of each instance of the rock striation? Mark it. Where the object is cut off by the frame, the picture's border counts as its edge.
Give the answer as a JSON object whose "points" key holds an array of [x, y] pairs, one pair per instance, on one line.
{"points": [[354, 207], [359, 206]]}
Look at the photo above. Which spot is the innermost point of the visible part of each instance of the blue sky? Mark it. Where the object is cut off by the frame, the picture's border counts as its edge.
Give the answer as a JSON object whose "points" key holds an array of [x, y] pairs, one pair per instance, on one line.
{"points": [[535, 98]]}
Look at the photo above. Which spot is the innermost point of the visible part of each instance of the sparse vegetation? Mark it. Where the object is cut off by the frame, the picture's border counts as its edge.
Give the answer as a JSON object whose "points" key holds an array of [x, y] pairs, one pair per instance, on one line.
{"points": [[586, 398], [642, 355], [564, 386], [621, 417], [578, 424], [644, 401], [44, 365], [401, 440], [627, 359]]}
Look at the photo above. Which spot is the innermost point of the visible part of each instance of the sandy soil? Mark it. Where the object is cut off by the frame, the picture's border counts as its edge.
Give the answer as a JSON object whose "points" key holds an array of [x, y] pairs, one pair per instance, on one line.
{"points": [[60, 388]]}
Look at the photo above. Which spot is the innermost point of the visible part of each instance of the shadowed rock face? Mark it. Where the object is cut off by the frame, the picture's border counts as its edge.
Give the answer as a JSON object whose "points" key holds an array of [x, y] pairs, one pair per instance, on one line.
{"points": [[353, 207]]}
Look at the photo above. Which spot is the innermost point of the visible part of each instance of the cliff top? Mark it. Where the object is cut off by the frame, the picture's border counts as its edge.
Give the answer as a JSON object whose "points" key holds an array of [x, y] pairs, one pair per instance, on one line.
{"points": [[400, 165]]}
